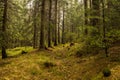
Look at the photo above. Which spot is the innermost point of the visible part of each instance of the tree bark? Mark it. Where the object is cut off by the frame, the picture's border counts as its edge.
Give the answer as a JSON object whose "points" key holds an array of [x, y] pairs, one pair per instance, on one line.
{"points": [[85, 8], [59, 16], [63, 27], [4, 55], [86, 15], [42, 30], [95, 13], [50, 25], [56, 42], [104, 29], [35, 25]]}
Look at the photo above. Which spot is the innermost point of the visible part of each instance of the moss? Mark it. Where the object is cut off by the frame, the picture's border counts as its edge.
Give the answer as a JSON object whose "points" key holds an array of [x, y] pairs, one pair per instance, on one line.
{"points": [[18, 51], [49, 64], [34, 72], [24, 52]]}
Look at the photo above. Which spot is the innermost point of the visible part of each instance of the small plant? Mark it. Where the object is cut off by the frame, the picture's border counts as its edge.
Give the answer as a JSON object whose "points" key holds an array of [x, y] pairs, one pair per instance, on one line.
{"points": [[49, 64], [106, 72]]}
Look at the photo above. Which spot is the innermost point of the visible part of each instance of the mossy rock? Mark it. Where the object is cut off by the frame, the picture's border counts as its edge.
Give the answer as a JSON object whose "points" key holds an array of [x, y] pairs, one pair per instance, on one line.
{"points": [[106, 72]]}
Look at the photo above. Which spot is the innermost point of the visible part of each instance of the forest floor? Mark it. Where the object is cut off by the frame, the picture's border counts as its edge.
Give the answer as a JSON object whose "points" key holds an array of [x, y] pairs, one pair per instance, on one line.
{"points": [[60, 63]]}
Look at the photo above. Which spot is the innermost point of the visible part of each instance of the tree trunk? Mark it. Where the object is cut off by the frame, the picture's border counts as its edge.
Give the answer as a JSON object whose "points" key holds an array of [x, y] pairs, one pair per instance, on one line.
{"points": [[50, 25], [63, 27], [86, 8], [4, 55], [86, 15], [59, 16], [42, 30], [35, 25], [95, 13], [56, 42], [104, 29]]}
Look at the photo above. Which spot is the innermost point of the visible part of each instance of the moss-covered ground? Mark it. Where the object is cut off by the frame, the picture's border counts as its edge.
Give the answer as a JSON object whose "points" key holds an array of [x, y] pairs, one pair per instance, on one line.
{"points": [[59, 63]]}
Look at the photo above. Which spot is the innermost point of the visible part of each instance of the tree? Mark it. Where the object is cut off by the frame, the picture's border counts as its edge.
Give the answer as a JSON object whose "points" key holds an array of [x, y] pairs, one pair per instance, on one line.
{"points": [[95, 13], [50, 25], [42, 30], [56, 37], [59, 21], [86, 13], [63, 26], [4, 24], [35, 24]]}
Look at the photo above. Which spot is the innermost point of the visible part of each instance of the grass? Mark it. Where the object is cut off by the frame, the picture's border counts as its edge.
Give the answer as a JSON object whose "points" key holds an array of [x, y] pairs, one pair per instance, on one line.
{"points": [[67, 67]]}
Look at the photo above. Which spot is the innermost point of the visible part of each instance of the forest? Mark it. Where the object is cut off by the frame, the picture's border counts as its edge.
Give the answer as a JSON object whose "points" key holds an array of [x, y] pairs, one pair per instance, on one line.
{"points": [[59, 39]]}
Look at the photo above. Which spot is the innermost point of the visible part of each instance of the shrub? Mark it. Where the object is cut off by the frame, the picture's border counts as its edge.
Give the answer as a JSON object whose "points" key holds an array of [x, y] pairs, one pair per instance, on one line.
{"points": [[106, 72]]}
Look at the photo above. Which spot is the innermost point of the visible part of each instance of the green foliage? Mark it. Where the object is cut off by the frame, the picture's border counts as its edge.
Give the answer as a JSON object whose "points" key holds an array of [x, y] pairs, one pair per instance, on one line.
{"points": [[94, 41], [70, 37], [106, 72], [94, 38], [113, 35], [19, 25]]}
